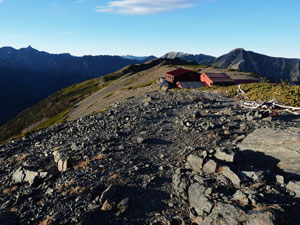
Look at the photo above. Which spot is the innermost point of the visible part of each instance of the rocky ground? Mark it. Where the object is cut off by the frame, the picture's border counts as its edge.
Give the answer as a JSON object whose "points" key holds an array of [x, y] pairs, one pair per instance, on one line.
{"points": [[165, 158]]}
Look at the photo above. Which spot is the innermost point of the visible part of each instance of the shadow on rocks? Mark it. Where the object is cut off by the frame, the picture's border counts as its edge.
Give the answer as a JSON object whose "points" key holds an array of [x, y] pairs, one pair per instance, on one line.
{"points": [[8, 218], [287, 117], [142, 203], [271, 192], [249, 160], [157, 141]]}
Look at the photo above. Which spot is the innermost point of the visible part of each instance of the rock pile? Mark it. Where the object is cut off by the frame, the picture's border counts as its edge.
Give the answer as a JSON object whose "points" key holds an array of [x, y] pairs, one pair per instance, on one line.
{"points": [[241, 185], [165, 158]]}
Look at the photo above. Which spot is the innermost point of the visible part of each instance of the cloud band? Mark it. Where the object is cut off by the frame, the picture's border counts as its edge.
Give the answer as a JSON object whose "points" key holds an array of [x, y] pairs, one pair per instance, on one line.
{"points": [[143, 7]]}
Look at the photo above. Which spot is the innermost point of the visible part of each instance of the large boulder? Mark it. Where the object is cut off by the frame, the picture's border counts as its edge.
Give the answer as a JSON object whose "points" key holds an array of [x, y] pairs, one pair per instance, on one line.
{"points": [[282, 147]]}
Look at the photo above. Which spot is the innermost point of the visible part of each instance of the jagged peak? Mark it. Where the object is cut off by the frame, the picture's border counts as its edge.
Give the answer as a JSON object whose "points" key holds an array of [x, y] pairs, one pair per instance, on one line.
{"points": [[238, 50], [174, 54], [29, 49]]}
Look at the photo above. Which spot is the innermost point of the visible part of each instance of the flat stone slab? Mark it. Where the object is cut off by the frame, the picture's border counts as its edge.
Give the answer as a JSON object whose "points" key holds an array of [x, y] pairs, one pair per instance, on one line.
{"points": [[282, 145]]}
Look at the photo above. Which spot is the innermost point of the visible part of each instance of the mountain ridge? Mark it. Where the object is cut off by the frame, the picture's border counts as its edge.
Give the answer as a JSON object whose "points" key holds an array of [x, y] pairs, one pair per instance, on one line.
{"points": [[199, 58], [29, 75], [273, 68]]}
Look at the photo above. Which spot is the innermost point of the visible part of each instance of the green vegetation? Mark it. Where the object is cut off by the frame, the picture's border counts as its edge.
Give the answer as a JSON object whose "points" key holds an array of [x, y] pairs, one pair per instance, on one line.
{"points": [[148, 83], [112, 76], [57, 119], [108, 95], [50, 111], [53, 110], [232, 70], [127, 88], [284, 94], [130, 81]]}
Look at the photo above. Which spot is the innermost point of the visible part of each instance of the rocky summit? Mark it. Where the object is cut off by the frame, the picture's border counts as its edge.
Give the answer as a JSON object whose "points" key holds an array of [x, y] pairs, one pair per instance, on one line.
{"points": [[164, 158]]}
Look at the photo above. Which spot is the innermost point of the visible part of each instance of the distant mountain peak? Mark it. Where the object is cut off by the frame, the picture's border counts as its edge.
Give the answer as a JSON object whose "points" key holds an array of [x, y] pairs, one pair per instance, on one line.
{"points": [[29, 49], [199, 58], [272, 68], [238, 50]]}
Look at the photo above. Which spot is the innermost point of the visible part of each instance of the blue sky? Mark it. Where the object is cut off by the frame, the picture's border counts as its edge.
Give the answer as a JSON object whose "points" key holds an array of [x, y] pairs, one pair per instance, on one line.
{"points": [[152, 27]]}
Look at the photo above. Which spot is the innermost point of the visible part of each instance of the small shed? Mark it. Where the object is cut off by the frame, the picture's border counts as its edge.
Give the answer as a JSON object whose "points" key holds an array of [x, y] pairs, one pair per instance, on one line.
{"points": [[222, 79], [181, 74]]}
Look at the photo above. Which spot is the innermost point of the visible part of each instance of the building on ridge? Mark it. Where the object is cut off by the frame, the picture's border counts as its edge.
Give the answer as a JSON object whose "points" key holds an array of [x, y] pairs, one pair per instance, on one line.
{"points": [[181, 74], [222, 79]]}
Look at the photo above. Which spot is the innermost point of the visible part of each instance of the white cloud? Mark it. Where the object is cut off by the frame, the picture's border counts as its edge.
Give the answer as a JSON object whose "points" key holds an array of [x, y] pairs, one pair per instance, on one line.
{"points": [[1, 1], [141, 7], [80, 1]]}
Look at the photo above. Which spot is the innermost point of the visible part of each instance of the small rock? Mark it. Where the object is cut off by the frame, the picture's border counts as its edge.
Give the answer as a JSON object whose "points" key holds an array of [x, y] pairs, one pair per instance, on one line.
{"points": [[62, 165], [188, 124], [210, 166], [260, 217], [227, 172], [25, 175], [254, 175], [123, 205], [241, 198], [294, 186], [18, 176], [197, 200], [56, 156], [49, 191], [280, 179], [108, 205], [208, 191], [226, 132], [164, 88], [197, 220], [140, 140], [227, 112], [30, 176], [195, 162], [224, 155], [250, 118], [74, 147]]}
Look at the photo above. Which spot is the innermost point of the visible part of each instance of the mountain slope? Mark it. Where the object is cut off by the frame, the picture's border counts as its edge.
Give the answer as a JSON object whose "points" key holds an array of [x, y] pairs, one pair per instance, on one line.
{"points": [[199, 58], [65, 104], [27, 75], [275, 69], [156, 159]]}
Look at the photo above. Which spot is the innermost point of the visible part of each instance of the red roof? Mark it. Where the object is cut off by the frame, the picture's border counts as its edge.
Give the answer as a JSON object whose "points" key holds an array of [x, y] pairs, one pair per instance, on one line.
{"points": [[179, 71]]}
